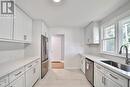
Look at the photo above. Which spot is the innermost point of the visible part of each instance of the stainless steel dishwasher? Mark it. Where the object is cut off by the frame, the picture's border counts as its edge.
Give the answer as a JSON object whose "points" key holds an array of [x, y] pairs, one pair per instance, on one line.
{"points": [[89, 70]]}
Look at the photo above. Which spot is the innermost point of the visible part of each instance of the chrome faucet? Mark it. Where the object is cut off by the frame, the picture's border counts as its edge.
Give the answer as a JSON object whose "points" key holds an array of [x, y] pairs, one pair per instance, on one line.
{"points": [[126, 49]]}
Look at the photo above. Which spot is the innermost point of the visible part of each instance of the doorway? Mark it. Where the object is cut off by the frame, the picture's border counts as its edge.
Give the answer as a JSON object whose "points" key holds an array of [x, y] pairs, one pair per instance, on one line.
{"points": [[57, 51]]}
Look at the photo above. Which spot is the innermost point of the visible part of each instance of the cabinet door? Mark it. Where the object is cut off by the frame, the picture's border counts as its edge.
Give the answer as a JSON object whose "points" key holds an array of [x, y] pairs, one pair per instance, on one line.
{"points": [[36, 72], [6, 27], [20, 82], [18, 25], [27, 28], [29, 78], [98, 79], [110, 83]]}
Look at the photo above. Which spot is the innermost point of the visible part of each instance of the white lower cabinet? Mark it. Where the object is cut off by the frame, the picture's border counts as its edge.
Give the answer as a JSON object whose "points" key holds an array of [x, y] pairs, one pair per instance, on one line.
{"points": [[29, 78], [33, 73], [4, 81], [36, 71], [20, 82], [110, 83], [82, 64], [106, 78], [26, 76], [98, 79]]}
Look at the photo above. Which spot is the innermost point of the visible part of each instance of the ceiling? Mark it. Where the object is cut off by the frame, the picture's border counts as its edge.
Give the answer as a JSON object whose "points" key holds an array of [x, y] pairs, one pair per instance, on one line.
{"points": [[69, 13]]}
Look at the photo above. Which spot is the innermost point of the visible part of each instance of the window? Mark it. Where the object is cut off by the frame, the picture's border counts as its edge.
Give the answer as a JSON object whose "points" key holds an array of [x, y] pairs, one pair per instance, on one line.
{"points": [[124, 35], [114, 37], [109, 38]]}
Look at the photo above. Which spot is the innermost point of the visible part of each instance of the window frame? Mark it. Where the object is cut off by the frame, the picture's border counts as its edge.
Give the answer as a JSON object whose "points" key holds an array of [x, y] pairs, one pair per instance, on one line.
{"points": [[117, 37], [102, 39]]}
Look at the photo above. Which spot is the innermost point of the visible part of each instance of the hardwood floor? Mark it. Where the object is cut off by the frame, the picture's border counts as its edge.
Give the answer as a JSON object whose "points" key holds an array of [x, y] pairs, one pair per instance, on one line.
{"points": [[57, 65]]}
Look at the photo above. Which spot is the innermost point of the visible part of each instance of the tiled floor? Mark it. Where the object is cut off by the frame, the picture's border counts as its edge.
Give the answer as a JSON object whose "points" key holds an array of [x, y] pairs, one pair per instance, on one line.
{"points": [[63, 78]]}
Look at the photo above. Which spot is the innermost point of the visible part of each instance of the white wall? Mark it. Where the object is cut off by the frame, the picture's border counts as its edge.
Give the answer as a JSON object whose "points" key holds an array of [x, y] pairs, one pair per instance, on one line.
{"points": [[74, 40], [34, 49], [57, 48], [11, 51]]}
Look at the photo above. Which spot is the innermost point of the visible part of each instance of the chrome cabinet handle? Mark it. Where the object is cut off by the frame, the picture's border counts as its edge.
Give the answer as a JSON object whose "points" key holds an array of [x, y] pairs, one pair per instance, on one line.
{"points": [[18, 73], [29, 66], [113, 77]]}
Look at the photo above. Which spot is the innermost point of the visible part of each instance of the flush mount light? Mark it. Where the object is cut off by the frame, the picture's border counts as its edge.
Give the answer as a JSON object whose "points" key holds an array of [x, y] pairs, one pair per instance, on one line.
{"points": [[57, 1]]}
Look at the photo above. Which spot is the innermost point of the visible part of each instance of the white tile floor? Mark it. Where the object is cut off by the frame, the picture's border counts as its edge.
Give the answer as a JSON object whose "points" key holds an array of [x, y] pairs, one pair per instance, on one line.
{"points": [[63, 78]]}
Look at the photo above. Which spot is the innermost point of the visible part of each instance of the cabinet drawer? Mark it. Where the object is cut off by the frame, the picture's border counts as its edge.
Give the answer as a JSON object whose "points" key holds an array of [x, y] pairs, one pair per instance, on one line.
{"points": [[29, 66], [99, 67], [4, 81], [16, 74], [116, 78], [36, 62]]}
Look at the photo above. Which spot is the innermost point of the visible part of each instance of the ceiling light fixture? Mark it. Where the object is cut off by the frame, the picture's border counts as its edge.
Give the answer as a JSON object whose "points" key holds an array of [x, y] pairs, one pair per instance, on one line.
{"points": [[57, 1]]}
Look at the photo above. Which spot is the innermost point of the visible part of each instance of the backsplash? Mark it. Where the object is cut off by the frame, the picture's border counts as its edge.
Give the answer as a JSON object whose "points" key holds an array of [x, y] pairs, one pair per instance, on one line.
{"points": [[11, 51]]}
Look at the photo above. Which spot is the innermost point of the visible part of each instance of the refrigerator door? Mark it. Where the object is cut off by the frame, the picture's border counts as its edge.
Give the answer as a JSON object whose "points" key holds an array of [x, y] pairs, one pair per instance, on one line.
{"points": [[44, 68], [43, 48]]}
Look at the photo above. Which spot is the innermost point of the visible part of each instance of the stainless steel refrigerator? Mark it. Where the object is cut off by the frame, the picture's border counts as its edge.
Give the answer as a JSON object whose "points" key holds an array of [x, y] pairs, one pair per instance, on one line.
{"points": [[44, 56]]}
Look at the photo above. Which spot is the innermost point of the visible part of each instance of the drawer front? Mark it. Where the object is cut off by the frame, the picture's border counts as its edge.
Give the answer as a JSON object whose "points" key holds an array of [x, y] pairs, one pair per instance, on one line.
{"points": [[29, 66], [99, 67], [4, 81], [116, 78], [16, 74], [37, 62]]}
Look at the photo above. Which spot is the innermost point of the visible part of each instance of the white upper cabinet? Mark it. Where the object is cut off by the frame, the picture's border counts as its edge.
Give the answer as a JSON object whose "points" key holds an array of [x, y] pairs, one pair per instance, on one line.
{"points": [[92, 33], [6, 27], [44, 29], [18, 25], [22, 26], [27, 29]]}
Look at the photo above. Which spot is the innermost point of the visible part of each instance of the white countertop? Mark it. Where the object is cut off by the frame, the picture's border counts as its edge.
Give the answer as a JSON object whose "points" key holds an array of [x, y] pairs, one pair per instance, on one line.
{"points": [[9, 67], [97, 59]]}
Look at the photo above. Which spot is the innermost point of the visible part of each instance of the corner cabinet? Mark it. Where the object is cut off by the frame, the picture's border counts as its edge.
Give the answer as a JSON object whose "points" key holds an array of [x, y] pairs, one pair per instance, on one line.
{"points": [[92, 33], [22, 26]]}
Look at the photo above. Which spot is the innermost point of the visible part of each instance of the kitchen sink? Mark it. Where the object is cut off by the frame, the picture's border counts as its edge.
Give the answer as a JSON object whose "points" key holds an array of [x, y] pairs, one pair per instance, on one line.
{"points": [[117, 65]]}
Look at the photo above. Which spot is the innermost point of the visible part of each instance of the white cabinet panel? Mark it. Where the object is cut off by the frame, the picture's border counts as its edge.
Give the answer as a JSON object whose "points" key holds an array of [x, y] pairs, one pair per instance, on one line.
{"points": [[6, 27], [22, 26], [92, 33], [18, 25], [29, 77], [82, 64], [20, 82], [36, 71], [98, 79], [110, 83], [27, 28]]}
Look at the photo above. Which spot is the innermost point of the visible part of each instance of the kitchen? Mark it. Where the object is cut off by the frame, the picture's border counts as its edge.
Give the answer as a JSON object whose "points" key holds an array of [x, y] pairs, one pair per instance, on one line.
{"points": [[95, 43]]}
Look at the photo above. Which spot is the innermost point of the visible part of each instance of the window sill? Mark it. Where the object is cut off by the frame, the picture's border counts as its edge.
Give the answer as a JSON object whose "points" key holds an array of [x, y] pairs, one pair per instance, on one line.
{"points": [[115, 55]]}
